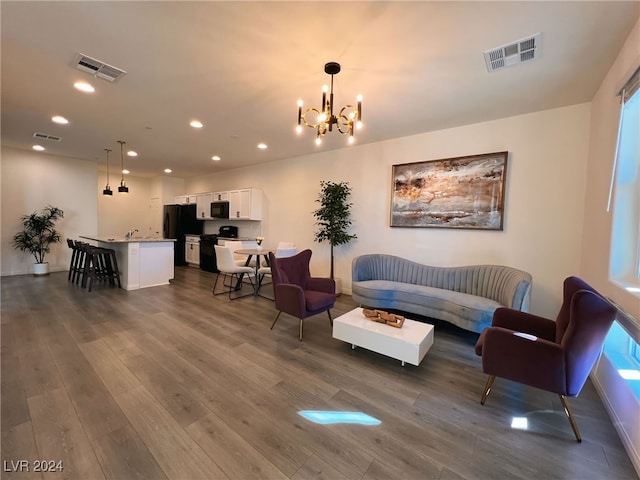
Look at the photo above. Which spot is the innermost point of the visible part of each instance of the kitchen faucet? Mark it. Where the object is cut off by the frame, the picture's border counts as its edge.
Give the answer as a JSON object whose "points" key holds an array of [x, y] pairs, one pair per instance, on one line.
{"points": [[130, 233]]}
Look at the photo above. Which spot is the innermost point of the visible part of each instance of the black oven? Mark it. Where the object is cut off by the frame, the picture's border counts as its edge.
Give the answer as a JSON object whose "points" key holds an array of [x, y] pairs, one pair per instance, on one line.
{"points": [[208, 261], [219, 209]]}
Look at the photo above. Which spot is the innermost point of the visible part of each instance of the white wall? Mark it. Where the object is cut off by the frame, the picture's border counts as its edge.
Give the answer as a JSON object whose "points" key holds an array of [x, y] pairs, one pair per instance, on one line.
{"points": [[622, 405], [545, 191], [31, 181]]}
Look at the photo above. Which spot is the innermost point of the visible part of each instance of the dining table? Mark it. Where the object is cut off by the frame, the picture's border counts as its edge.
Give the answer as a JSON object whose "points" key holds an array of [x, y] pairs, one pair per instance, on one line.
{"points": [[256, 253]]}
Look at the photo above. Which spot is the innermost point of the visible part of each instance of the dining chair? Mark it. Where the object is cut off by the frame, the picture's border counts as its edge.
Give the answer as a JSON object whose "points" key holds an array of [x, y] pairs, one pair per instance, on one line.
{"points": [[228, 267], [241, 260]]}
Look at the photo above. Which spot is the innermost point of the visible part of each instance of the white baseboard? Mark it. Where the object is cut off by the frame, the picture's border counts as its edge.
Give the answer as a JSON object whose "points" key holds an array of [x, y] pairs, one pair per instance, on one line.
{"points": [[630, 445]]}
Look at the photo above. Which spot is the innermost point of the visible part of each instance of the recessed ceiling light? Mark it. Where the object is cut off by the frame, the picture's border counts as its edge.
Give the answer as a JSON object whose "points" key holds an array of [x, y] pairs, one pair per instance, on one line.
{"points": [[262, 146], [196, 124], [167, 170], [84, 87], [39, 148], [215, 158], [125, 171], [131, 153], [59, 119]]}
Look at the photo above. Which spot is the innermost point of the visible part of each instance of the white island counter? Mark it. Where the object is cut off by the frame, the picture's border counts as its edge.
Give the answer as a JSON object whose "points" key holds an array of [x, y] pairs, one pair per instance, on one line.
{"points": [[143, 262]]}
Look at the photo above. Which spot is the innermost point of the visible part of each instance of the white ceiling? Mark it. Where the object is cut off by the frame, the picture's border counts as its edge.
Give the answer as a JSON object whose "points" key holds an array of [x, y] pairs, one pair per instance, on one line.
{"points": [[240, 68]]}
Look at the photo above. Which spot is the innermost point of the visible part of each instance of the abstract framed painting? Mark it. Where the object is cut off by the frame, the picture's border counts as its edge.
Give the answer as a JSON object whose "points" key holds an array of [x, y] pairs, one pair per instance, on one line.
{"points": [[461, 192]]}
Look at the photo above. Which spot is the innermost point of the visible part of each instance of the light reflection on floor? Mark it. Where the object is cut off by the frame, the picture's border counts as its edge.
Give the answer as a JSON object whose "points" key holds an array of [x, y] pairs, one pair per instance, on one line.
{"points": [[327, 417]]}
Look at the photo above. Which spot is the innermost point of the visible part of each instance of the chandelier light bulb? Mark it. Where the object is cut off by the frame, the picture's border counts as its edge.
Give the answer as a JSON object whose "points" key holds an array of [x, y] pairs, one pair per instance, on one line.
{"points": [[298, 129], [300, 103], [318, 141], [351, 139]]}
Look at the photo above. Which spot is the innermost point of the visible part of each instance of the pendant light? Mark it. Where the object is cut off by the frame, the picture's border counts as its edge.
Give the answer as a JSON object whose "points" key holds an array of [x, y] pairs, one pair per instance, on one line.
{"points": [[123, 187], [107, 189]]}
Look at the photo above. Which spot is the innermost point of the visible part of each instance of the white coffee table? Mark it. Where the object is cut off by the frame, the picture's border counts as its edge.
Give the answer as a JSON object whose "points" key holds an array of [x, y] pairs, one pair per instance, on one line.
{"points": [[408, 344]]}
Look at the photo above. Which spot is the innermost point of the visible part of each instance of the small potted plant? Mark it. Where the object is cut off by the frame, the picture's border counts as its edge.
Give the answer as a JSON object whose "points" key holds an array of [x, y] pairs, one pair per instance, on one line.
{"points": [[37, 235], [333, 217]]}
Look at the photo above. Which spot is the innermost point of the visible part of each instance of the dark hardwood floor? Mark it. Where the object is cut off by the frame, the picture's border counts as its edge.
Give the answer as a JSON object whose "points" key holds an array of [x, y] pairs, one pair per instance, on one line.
{"points": [[171, 382]]}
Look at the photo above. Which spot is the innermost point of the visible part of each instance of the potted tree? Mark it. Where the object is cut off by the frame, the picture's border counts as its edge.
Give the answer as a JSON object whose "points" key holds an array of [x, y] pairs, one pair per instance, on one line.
{"points": [[333, 217], [37, 235]]}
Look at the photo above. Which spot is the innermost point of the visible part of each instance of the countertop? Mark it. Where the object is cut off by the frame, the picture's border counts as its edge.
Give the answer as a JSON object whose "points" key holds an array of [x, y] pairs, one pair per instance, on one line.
{"points": [[239, 239], [125, 240]]}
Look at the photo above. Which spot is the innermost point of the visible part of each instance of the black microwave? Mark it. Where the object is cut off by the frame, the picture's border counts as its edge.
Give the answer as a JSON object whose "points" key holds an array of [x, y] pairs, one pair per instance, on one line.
{"points": [[219, 209]]}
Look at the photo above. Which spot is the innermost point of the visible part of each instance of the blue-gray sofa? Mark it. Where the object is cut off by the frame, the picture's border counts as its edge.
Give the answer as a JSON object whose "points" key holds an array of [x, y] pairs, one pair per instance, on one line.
{"points": [[464, 296]]}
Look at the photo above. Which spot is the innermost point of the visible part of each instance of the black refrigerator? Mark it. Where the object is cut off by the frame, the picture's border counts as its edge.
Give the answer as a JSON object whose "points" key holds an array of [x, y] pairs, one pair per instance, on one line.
{"points": [[180, 220]]}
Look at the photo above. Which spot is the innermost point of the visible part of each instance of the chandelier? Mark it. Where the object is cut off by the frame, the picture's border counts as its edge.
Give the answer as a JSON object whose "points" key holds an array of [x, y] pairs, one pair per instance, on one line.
{"points": [[324, 118]]}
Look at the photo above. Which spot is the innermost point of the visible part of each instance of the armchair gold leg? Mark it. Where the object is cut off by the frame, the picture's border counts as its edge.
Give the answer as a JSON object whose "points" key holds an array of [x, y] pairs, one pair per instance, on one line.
{"points": [[300, 329], [330, 319], [487, 388], [572, 419]]}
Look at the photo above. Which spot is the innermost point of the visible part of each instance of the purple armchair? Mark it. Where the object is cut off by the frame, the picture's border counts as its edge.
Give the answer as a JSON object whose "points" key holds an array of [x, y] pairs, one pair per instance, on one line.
{"points": [[296, 291], [554, 356]]}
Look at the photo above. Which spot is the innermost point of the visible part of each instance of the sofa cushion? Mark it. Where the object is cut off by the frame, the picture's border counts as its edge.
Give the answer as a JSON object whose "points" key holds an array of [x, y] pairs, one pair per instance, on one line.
{"points": [[469, 311]]}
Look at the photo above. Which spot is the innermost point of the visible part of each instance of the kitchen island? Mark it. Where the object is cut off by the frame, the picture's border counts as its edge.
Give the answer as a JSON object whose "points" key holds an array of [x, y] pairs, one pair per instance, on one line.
{"points": [[143, 262]]}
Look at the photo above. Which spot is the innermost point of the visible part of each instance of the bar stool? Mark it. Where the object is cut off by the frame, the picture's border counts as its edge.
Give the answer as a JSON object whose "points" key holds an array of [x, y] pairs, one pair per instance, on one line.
{"points": [[79, 275], [100, 264], [73, 264]]}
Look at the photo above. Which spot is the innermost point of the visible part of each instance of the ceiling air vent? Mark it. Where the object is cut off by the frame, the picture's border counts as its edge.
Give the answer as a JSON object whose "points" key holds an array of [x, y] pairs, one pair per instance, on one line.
{"points": [[97, 68], [45, 136], [513, 53]]}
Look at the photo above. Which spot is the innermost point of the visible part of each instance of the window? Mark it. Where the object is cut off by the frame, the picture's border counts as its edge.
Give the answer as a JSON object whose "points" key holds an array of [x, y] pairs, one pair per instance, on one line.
{"points": [[621, 345], [623, 353], [624, 259], [635, 351]]}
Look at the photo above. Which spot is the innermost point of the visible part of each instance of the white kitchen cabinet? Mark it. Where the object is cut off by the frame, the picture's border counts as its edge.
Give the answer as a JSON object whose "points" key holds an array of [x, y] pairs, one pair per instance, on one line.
{"points": [[192, 253], [245, 204], [220, 196], [190, 199], [203, 206]]}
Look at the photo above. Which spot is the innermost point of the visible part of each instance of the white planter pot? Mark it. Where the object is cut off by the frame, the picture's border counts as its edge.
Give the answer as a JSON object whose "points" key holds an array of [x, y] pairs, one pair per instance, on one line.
{"points": [[41, 268]]}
